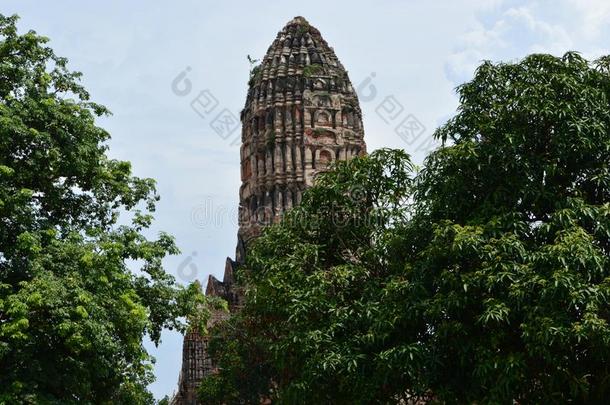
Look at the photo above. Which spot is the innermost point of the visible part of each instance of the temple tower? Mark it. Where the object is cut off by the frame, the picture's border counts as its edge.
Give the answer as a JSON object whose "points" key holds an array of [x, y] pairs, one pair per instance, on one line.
{"points": [[301, 114]]}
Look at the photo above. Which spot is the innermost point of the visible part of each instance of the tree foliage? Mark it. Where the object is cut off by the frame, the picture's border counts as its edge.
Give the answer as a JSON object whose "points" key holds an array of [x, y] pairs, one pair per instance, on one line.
{"points": [[72, 315], [482, 278]]}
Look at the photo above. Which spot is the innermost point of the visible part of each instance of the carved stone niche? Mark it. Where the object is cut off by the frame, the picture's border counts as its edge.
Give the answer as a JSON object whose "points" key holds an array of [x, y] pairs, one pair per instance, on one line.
{"points": [[349, 134], [325, 158], [322, 100], [322, 136], [319, 84], [323, 118]]}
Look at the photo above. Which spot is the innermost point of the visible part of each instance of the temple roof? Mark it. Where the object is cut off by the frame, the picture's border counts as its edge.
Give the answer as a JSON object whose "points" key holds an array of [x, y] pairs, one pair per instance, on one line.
{"points": [[298, 51]]}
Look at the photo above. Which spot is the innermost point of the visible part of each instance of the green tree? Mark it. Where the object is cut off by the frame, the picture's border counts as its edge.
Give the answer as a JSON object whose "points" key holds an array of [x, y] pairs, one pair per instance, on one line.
{"points": [[514, 283], [72, 315], [485, 278], [309, 330]]}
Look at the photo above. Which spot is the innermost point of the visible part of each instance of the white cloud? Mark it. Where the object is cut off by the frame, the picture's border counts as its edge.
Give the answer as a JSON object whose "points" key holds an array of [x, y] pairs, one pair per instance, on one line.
{"points": [[594, 16], [511, 31]]}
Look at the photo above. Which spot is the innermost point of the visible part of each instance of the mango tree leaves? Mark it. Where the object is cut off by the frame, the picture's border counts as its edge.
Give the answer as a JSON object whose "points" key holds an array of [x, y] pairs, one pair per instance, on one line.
{"points": [[72, 315], [482, 278]]}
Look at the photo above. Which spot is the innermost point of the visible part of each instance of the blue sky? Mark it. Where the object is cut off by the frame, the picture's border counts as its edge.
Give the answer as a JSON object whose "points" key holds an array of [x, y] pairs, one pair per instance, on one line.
{"points": [[405, 57]]}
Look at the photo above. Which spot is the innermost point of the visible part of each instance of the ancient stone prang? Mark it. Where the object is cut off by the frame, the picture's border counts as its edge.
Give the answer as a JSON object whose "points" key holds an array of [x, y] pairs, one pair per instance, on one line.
{"points": [[301, 114]]}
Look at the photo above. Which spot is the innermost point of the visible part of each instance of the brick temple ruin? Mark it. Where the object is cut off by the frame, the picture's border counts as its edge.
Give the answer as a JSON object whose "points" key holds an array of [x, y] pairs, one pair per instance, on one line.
{"points": [[301, 114]]}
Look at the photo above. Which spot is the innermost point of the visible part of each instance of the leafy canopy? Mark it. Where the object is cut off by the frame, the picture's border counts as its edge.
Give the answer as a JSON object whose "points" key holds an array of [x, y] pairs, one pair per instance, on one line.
{"points": [[484, 277], [72, 315]]}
